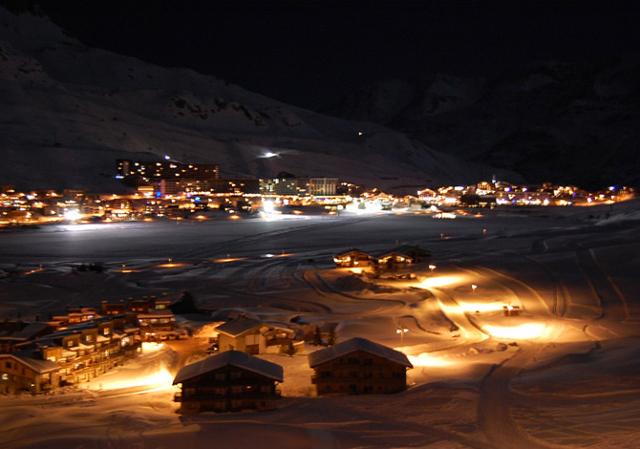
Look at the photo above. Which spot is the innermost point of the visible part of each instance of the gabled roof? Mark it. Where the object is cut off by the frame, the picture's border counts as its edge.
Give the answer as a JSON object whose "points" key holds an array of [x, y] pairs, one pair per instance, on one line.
{"points": [[357, 344], [393, 253], [32, 330], [231, 358], [352, 250], [40, 366], [413, 250], [238, 326]]}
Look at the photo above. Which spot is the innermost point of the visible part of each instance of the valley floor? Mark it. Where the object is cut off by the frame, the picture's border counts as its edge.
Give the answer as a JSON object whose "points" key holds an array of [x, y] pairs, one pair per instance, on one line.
{"points": [[564, 373]]}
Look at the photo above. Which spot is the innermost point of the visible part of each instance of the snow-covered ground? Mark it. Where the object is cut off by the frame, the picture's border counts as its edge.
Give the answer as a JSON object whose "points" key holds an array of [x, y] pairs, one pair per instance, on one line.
{"points": [[564, 373]]}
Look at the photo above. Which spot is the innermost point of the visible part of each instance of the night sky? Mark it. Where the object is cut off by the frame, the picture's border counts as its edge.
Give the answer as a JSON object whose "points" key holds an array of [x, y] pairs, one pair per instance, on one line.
{"points": [[311, 53]]}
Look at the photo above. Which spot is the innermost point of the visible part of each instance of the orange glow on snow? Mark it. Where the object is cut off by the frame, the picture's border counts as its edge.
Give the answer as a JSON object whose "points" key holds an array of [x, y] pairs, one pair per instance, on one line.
{"points": [[525, 331], [441, 281], [172, 264], [150, 346], [159, 380], [228, 259], [426, 359], [482, 307]]}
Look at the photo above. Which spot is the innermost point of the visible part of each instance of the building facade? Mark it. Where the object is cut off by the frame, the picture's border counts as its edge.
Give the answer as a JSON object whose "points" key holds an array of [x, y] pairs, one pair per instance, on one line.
{"points": [[255, 337], [229, 381], [145, 172], [359, 366], [19, 373], [352, 258]]}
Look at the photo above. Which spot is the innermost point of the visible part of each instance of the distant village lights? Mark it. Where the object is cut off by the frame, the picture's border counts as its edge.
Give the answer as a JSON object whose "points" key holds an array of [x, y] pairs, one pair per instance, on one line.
{"points": [[72, 215], [268, 207]]}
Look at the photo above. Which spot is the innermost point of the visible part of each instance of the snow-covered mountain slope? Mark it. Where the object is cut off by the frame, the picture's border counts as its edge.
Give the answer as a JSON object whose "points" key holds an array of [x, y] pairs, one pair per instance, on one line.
{"points": [[68, 111], [547, 120]]}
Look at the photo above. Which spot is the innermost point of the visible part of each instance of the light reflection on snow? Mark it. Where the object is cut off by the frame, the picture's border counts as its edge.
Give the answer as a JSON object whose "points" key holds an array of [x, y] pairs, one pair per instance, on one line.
{"points": [[441, 281], [156, 381], [524, 331], [151, 346], [483, 307], [426, 359]]}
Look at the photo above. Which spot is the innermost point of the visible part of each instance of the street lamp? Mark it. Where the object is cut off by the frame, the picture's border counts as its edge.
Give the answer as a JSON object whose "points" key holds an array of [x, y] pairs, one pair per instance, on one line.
{"points": [[402, 331], [432, 267], [474, 287]]}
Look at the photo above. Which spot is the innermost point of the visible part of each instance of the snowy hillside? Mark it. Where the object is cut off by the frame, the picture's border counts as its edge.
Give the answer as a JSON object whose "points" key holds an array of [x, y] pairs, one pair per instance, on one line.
{"points": [[68, 111], [546, 120]]}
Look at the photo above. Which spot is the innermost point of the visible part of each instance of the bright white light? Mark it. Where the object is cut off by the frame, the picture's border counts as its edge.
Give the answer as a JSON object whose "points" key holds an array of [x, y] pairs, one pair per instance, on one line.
{"points": [[520, 332], [482, 307], [441, 281], [426, 359], [270, 154], [72, 215], [167, 157], [268, 207], [160, 380], [150, 346]]}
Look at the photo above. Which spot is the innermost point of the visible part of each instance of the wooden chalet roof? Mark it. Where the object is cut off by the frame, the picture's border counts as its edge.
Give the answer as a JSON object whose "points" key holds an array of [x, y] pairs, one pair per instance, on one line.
{"points": [[239, 326], [231, 358], [353, 251], [38, 365], [357, 344]]}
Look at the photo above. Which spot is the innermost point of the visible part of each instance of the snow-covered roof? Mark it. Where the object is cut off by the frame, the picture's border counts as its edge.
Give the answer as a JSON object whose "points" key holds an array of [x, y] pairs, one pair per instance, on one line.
{"points": [[351, 251], [412, 250], [388, 254], [31, 330], [13, 331], [38, 365], [357, 344], [238, 326], [233, 358]]}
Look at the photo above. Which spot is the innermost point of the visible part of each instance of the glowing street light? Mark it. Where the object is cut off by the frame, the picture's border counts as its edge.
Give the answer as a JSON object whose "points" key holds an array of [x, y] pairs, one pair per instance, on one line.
{"points": [[402, 331], [72, 215], [474, 287], [268, 207], [432, 267]]}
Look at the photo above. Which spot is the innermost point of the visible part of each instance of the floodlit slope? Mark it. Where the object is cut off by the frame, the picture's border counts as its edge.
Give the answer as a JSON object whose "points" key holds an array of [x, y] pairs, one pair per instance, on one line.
{"points": [[68, 111]]}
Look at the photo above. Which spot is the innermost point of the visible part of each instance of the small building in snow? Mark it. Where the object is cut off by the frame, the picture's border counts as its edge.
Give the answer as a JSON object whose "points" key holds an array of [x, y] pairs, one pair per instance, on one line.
{"points": [[394, 260], [14, 334], [256, 337], [21, 373], [229, 381], [352, 258], [359, 366], [159, 325], [415, 252]]}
